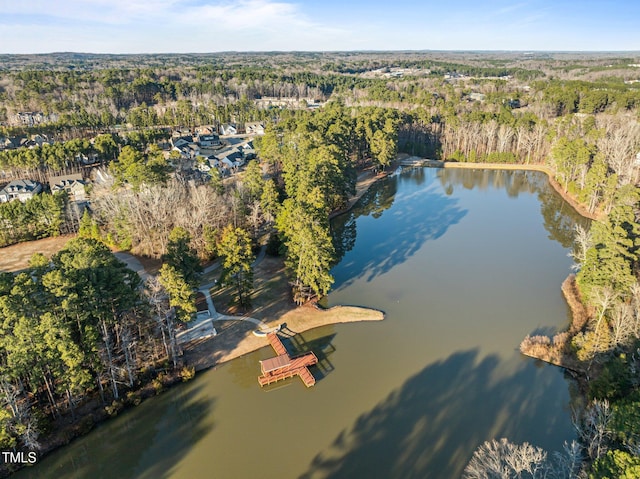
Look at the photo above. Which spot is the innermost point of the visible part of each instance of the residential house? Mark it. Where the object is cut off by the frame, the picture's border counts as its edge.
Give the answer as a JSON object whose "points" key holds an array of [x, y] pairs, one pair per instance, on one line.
{"points": [[90, 159], [31, 118], [228, 129], [208, 140], [12, 142], [254, 128], [233, 155], [179, 142], [228, 164], [183, 133], [206, 130], [206, 164], [248, 151], [74, 185], [36, 141], [21, 190], [188, 151]]}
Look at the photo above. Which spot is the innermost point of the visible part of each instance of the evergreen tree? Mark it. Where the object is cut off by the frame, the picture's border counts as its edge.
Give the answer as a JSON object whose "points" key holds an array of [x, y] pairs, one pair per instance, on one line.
{"points": [[310, 251], [182, 257], [235, 249], [610, 261], [181, 294]]}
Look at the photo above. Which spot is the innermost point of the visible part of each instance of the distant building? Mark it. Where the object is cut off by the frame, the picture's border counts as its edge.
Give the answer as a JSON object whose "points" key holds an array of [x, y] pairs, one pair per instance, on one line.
{"points": [[12, 142], [228, 129], [21, 190], [247, 151], [208, 140], [32, 118], [37, 140], [233, 158], [183, 133], [254, 128]]}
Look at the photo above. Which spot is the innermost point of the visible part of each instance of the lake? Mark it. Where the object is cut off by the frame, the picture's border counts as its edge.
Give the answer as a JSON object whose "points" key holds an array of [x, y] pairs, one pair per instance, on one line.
{"points": [[465, 263]]}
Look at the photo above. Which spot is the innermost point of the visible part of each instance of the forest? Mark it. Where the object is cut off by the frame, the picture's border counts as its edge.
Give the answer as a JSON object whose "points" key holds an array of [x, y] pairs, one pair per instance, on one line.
{"points": [[101, 333]]}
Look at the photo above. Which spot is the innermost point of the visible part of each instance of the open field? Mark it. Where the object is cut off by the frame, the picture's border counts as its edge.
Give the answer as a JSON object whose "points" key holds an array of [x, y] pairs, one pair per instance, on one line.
{"points": [[16, 257]]}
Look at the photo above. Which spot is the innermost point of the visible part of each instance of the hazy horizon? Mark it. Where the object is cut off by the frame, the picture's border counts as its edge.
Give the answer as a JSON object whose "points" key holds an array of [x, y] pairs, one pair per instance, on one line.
{"points": [[216, 26]]}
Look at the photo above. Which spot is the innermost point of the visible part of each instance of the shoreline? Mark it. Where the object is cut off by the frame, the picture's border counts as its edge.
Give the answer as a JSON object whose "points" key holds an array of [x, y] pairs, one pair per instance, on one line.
{"points": [[203, 354], [210, 353], [552, 350], [573, 202], [207, 354], [364, 182]]}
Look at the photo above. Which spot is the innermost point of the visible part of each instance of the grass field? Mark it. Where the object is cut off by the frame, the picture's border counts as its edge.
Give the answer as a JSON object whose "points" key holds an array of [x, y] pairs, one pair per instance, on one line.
{"points": [[16, 257]]}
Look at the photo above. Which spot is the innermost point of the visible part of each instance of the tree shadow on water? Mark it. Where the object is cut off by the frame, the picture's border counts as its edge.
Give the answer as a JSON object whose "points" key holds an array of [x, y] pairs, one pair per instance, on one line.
{"points": [[144, 442], [421, 215], [429, 427], [321, 346]]}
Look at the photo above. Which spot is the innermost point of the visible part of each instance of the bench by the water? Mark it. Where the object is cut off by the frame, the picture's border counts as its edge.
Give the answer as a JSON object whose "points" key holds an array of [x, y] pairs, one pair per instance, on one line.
{"points": [[284, 366]]}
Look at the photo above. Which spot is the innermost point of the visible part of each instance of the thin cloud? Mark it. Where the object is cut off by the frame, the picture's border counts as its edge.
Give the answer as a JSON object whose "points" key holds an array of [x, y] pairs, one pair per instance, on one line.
{"points": [[510, 8]]}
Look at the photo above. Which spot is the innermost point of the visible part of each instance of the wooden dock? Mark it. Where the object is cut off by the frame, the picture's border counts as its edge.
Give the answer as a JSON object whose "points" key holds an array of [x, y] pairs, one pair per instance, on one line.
{"points": [[284, 366]]}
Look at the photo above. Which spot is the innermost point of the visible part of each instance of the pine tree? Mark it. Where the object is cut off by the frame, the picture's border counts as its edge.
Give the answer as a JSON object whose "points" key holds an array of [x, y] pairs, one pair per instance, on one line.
{"points": [[182, 257], [235, 249], [310, 251], [181, 294]]}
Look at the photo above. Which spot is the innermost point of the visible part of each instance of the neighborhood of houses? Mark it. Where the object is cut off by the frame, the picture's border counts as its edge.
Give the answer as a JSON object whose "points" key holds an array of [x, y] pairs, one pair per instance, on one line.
{"points": [[209, 152], [197, 154]]}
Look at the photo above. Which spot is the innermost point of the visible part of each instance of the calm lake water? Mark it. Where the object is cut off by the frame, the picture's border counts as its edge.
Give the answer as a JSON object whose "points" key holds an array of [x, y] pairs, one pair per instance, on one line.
{"points": [[465, 263]]}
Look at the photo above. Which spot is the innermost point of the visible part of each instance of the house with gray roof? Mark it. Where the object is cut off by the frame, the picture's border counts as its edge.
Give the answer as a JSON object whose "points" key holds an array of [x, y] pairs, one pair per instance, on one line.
{"points": [[21, 190], [74, 185]]}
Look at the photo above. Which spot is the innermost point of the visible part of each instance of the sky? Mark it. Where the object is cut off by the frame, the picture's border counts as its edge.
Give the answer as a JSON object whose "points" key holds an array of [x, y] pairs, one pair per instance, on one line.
{"points": [[196, 26]]}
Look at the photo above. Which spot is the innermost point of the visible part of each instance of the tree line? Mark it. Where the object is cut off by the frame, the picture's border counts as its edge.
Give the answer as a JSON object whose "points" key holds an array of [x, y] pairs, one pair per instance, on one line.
{"points": [[77, 324]]}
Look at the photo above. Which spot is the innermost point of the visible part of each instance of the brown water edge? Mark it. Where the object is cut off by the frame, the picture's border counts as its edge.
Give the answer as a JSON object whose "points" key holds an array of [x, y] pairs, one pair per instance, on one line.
{"points": [[557, 350], [569, 198], [366, 178]]}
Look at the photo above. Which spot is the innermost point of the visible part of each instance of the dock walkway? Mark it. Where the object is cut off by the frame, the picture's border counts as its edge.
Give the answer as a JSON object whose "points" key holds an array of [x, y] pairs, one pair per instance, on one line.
{"points": [[284, 366]]}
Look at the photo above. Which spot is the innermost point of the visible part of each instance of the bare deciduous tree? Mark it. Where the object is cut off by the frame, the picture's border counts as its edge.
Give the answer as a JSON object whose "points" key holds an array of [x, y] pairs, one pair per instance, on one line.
{"points": [[593, 429], [504, 460], [583, 242]]}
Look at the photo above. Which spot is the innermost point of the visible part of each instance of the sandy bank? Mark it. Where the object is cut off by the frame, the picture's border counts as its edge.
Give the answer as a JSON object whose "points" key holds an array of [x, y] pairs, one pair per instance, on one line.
{"points": [[236, 338]]}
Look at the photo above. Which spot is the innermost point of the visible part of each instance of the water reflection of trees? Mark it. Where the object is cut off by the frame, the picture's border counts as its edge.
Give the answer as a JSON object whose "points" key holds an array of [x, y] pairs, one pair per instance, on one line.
{"points": [[374, 202], [425, 214], [559, 217], [130, 446], [430, 426]]}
